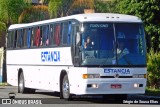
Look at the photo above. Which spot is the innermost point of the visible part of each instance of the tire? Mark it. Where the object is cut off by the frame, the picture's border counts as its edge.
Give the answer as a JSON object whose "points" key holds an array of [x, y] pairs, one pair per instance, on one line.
{"points": [[21, 84], [66, 88]]}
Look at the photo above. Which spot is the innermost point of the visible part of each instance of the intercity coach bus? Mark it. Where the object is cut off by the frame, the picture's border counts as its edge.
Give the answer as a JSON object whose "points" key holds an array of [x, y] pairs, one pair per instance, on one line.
{"points": [[51, 55]]}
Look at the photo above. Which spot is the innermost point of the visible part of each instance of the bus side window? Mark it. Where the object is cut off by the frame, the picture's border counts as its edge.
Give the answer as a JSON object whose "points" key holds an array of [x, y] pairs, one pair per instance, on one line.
{"points": [[69, 33], [15, 39], [25, 37], [10, 39], [32, 37], [19, 40], [45, 35], [37, 37], [22, 38], [57, 35], [65, 33], [29, 38], [51, 37], [34, 33]]}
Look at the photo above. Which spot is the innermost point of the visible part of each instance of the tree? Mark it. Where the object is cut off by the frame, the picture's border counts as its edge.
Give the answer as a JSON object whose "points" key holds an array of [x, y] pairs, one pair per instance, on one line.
{"points": [[46, 2], [89, 4], [53, 7], [34, 13], [3, 29], [80, 5], [10, 10], [9, 13], [106, 7], [59, 8], [153, 68], [148, 11]]}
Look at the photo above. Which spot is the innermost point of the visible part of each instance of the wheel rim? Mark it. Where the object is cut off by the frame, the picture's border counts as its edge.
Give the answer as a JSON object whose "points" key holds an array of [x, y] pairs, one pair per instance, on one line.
{"points": [[21, 83], [66, 88]]}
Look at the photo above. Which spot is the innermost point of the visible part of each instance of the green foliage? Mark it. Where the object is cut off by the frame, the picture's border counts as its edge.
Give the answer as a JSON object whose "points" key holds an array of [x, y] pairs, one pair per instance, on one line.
{"points": [[106, 7], [152, 92], [34, 13], [87, 4], [46, 1], [53, 7], [10, 10], [2, 27], [59, 8], [4, 11], [3, 84], [153, 68], [66, 7], [148, 11], [15, 9]]}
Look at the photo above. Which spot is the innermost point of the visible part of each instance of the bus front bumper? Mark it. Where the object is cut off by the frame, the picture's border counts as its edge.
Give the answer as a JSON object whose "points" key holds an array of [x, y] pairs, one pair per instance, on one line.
{"points": [[135, 86]]}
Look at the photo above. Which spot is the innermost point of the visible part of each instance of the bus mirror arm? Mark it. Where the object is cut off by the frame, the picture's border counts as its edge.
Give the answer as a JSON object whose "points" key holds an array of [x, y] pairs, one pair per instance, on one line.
{"points": [[77, 61]]}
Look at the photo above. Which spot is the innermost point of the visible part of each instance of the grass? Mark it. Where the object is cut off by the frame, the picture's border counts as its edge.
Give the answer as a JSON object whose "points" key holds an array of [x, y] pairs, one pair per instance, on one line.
{"points": [[152, 92], [3, 84]]}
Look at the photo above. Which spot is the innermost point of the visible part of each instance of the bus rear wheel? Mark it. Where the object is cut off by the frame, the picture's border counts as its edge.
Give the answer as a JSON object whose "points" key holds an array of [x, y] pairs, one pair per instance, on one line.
{"points": [[66, 88], [21, 84]]}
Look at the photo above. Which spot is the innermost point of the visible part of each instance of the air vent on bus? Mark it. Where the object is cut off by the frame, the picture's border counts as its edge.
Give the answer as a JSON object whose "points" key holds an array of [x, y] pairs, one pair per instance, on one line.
{"points": [[112, 17]]}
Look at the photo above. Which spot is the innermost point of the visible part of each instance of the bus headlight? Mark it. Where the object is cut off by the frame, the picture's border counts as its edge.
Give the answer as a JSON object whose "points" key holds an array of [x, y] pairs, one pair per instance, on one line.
{"points": [[139, 76], [136, 85], [86, 76], [92, 86]]}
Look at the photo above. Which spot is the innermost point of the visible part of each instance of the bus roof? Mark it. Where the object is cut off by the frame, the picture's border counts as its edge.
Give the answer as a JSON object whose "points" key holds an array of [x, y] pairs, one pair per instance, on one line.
{"points": [[89, 17]]}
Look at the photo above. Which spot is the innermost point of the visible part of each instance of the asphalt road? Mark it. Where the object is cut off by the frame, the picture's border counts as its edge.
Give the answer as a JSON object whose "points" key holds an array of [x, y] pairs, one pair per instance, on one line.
{"points": [[52, 99]]}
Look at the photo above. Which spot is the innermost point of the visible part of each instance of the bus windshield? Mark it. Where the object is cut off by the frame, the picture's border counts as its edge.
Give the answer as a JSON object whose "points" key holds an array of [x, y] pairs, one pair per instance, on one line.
{"points": [[113, 44]]}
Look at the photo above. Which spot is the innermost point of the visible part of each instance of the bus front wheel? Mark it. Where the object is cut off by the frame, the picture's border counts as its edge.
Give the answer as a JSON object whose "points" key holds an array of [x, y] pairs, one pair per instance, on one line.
{"points": [[66, 88]]}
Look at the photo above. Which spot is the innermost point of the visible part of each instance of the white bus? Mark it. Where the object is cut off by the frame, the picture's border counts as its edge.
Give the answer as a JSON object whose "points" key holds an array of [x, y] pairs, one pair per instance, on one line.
{"points": [[51, 55]]}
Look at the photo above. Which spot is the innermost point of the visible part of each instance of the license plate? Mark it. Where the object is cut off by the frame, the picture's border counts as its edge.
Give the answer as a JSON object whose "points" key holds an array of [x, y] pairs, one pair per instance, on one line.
{"points": [[116, 86]]}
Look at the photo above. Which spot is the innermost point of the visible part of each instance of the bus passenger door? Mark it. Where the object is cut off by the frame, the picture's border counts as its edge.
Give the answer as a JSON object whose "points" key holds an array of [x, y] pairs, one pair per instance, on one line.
{"points": [[75, 45]]}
